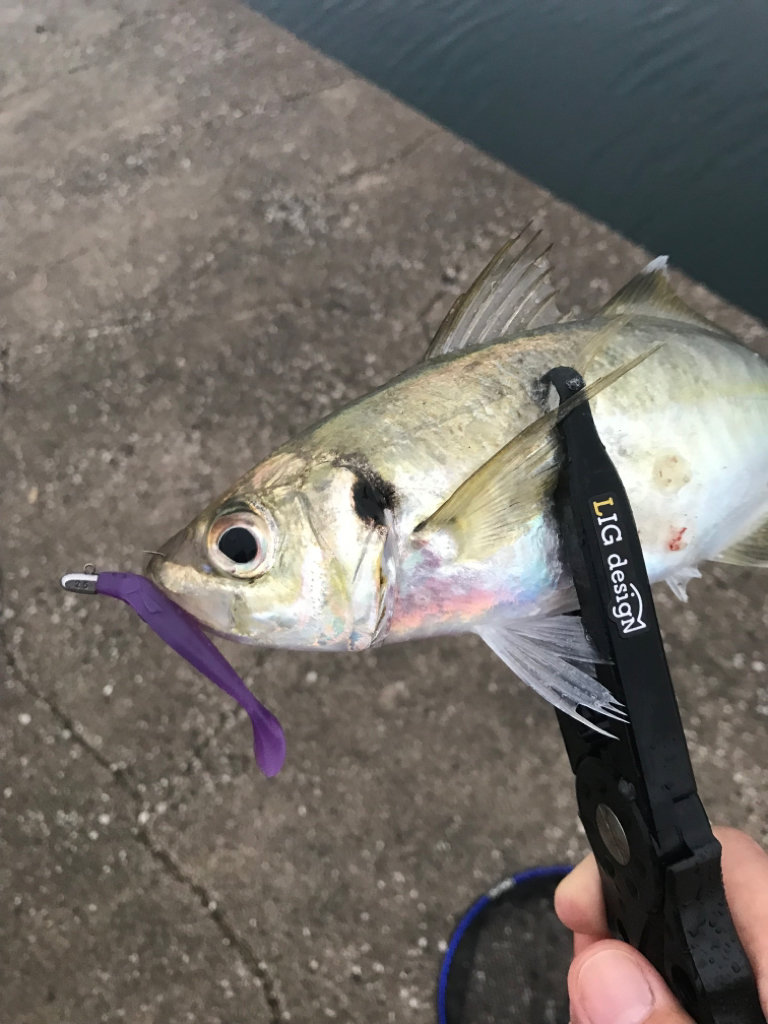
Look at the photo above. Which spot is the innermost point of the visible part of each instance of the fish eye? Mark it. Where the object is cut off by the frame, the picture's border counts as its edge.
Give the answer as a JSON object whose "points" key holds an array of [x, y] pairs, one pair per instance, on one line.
{"points": [[239, 544]]}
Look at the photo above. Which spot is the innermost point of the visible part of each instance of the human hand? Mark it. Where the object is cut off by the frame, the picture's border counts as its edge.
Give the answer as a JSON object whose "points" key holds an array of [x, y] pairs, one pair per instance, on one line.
{"points": [[609, 982]]}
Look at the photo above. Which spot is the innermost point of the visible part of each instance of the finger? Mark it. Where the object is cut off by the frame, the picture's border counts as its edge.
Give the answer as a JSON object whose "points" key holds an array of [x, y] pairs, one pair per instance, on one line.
{"points": [[579, 900], [611, 983], [582, 942], [745, 875]]}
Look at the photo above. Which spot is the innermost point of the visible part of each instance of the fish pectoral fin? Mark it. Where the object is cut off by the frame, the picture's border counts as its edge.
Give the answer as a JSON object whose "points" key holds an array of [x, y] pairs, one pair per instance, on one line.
{"points": [[649, 293], [514, 293], [541, 652], [751, 550], [678, 582], [503, 495]]}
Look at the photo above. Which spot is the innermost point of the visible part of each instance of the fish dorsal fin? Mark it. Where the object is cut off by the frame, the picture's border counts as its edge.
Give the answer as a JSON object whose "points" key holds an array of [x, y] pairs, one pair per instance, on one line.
{"points": [[502, 495], [514, 293], [649, 293], [751, 551]]}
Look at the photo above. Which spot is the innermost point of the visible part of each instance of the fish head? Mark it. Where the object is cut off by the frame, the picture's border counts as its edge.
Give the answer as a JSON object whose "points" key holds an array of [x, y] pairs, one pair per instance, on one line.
{"points": [[298, 554]]}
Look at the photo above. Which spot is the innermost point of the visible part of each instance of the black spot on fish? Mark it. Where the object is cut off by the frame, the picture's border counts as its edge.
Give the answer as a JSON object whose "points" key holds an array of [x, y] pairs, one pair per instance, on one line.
{"points": [[372, 495], [539, 391], [371, 498]]}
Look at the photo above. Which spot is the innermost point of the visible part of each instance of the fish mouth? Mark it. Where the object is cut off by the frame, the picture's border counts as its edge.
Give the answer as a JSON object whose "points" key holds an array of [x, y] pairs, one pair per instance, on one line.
{"points": [[176, 569], [166, 573], [158, 556], [153, 565], [210, 604], [179, 571]]}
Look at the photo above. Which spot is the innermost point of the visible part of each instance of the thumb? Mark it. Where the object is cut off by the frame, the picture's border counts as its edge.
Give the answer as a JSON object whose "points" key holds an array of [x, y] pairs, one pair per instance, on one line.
{"points": [[611, 983]]}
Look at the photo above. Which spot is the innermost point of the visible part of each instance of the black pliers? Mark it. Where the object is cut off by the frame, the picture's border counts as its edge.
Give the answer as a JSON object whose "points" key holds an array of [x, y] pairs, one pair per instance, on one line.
{"points": [[659, 861]]}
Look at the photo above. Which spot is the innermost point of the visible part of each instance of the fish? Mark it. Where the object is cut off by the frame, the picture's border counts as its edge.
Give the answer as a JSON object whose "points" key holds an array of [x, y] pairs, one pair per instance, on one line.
{"points": [[425, 508]]}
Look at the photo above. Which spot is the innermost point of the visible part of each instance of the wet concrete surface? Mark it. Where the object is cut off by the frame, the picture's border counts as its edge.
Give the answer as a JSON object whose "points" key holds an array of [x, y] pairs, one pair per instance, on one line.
{"points": [[212, 236]]}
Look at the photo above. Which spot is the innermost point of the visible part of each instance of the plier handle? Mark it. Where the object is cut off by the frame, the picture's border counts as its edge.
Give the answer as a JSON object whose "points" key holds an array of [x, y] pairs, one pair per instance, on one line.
{"points": [[658, 859]]}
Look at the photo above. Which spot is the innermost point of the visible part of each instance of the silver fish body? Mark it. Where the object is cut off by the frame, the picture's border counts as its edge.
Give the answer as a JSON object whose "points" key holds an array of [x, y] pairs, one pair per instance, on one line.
{"points": [[373, 527], [687, 430]]}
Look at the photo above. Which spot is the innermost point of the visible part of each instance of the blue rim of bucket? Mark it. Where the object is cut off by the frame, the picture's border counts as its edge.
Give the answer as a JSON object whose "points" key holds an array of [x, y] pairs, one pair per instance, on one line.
{"points": [[513, 882]]}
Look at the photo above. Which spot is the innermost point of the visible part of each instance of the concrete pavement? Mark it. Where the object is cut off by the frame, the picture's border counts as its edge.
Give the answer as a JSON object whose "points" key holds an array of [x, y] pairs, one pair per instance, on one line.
{"points": [[211, 237]]}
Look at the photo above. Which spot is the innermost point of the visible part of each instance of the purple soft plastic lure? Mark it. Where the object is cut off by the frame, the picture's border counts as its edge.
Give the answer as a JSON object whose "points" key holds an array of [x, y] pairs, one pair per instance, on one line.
{"points": [[181, 632]]}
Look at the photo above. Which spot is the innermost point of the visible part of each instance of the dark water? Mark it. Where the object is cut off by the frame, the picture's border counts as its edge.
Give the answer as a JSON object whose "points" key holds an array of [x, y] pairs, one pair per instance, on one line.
{"points": [[650, 115]]}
